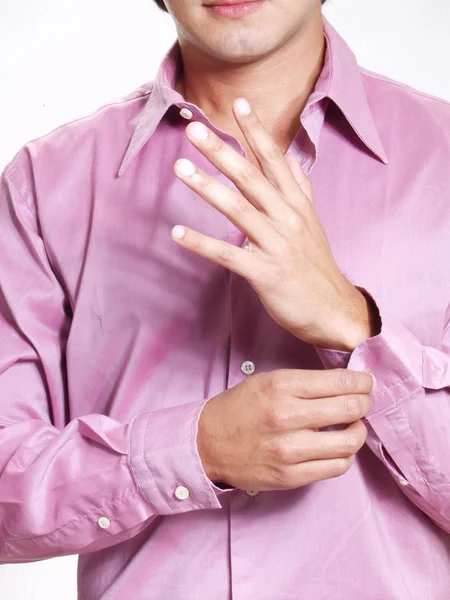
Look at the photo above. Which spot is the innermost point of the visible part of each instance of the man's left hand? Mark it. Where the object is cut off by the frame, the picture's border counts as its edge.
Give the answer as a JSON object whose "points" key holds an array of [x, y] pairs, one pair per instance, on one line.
{"points": [[288, 261]]}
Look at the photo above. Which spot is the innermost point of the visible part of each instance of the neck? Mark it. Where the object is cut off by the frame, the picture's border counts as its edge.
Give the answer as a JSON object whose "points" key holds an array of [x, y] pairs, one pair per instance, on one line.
{"points": [[277, 86]]}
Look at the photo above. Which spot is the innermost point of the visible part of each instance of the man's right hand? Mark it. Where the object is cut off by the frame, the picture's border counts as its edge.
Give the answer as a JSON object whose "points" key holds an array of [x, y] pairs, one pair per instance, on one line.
{"points": [[265, 433]]}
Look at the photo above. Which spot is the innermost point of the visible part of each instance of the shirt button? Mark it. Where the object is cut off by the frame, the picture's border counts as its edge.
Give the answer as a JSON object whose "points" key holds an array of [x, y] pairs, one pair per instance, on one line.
{"points": [[251, 492], [186, 113], [248, 367], [403, 481], [182, 493], [104, 522], [246, 247]]}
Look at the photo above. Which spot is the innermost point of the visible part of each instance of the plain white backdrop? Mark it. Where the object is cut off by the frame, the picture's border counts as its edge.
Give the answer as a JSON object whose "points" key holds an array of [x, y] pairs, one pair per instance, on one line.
{"points": [[62, 59]]}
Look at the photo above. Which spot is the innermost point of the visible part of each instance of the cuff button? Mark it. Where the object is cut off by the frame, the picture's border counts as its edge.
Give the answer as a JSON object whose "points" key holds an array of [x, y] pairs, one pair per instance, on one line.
{"points": [[104, 522]]}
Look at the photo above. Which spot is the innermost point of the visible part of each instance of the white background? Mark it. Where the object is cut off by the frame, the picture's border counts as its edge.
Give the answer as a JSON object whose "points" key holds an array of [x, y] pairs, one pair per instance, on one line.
{"points": [[60, 59]]}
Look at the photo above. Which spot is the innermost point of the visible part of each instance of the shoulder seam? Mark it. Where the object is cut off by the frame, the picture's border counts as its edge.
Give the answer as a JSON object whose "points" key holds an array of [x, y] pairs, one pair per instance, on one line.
{"points": [[404, 86], [91, 114]]}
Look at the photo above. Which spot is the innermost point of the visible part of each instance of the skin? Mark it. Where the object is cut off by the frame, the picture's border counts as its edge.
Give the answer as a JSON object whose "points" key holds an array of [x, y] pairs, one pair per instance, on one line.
{"points": [[265, 433]]}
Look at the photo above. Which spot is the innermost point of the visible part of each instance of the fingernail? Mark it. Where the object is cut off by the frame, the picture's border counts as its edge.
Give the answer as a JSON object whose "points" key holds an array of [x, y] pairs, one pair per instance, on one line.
{"points": [[197, 131], [242, 107], [185, 167], [374, 382], [178, 232]]}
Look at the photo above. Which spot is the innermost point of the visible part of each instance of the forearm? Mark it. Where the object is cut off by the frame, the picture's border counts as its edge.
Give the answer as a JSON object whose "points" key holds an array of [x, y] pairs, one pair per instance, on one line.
{"points": [[97, 482], [410, 417]]}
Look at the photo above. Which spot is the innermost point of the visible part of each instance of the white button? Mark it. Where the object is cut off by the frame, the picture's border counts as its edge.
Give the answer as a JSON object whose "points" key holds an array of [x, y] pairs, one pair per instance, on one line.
{"points": [[251, 492], [186, 113], [248, 367], [245, 247], [403, 481], [182, 493], [104, 522]]}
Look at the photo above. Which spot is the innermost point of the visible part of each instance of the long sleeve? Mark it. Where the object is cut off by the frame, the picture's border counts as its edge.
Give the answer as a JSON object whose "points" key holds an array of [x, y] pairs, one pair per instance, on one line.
{"points": [[60, 476], [409, 423]]}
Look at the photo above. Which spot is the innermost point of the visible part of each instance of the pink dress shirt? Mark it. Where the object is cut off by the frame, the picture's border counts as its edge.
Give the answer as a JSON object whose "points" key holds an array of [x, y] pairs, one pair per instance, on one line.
{"points": [[113, 337]]}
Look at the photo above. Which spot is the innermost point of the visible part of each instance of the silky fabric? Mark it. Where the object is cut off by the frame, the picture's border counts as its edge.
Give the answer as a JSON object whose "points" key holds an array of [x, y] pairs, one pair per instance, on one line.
{"points": [[113, 338]]}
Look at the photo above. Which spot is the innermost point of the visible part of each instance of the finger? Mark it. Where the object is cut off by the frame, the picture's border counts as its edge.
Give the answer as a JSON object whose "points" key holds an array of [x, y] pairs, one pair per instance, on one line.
{"points": [[247, 177], [316, 470], [323, 412], [269, 155], [232, 257], [231, 204], [300, 176], [322, 383], [301, 446]]}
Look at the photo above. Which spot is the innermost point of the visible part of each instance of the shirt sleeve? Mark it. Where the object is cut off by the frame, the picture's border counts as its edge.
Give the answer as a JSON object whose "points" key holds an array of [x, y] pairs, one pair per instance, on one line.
{"points": [[80, 485], [409, 423]]}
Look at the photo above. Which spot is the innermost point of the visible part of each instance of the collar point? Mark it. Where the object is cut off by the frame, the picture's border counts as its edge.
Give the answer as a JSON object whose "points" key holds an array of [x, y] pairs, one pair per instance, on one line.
{"points": [[122, 169]]}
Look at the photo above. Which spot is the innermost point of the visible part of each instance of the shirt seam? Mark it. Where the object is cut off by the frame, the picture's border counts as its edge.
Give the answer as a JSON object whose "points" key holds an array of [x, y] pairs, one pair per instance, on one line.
{"points": [[405, 86], [92, 114], [398, 400]]}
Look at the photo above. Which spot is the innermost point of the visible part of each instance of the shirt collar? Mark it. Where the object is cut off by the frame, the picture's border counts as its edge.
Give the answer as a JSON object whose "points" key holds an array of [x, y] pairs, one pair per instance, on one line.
{"points": [[340, 81]]}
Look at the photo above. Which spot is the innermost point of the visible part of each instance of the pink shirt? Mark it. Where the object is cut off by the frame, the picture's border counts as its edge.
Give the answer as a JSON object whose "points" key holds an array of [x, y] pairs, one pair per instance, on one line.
{"points": [[113, 337]]}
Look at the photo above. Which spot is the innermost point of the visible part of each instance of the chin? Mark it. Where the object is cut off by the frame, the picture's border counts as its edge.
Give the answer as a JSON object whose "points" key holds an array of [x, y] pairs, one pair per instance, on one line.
{"points": [[241, 47]]}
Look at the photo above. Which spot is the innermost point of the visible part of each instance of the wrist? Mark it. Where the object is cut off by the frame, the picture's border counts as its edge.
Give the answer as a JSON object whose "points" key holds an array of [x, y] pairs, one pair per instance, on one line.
{"points": [[358, 321], [205, 443], [361, 322]]}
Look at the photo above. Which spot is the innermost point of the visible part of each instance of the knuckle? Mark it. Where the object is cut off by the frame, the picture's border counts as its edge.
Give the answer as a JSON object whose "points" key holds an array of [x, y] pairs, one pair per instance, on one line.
{"points": [[226, 253], [285, 478], [241, 206], [273, 419], [203, 181], [352, 407], [272, 154], [197, 243], [297, 222], [351, 444], [249, 174], [306, 386], [345, 380], [216, 145], [269, 383], [280, 450]]}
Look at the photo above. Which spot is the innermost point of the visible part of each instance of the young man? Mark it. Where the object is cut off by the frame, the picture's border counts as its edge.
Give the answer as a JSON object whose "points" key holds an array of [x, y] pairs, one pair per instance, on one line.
{"points": [[189, 412]]}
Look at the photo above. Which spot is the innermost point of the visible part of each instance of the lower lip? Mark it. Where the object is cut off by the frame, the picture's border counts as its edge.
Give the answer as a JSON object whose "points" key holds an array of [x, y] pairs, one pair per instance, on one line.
{"points": [[235, 11]]}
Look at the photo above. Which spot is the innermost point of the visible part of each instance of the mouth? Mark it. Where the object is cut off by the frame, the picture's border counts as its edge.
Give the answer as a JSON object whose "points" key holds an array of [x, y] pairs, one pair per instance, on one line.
{"points": [[234, 9]]}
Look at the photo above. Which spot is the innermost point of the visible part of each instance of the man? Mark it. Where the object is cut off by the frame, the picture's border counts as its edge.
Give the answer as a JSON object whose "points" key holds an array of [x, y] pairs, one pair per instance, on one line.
{"points": [[194, 414]]}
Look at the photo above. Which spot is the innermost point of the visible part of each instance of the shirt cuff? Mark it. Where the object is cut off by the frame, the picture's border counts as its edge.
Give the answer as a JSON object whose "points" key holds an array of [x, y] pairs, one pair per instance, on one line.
{"points": [[394, 356], [165, 460]]}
